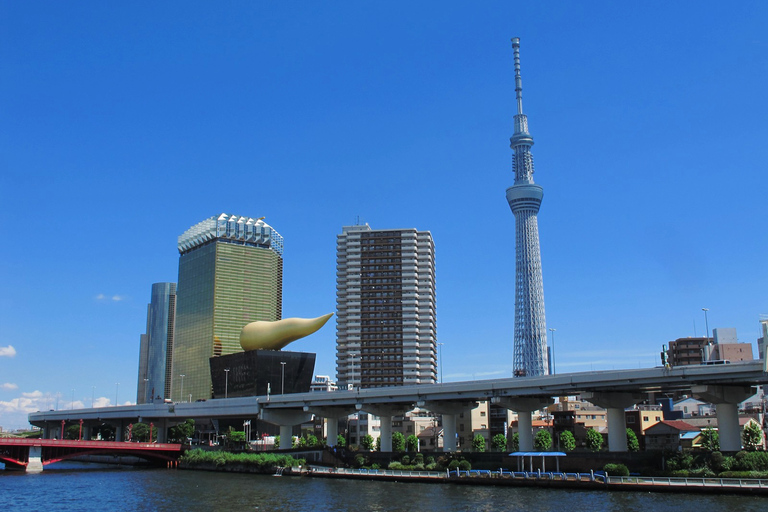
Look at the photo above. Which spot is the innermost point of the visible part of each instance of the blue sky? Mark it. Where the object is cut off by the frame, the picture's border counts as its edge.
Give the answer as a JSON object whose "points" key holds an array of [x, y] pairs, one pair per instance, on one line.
{"points": [[123, 125]]}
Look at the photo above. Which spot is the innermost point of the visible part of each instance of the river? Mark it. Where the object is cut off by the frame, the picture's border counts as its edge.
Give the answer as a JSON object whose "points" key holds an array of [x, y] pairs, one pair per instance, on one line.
{"points": [[89, 487]]}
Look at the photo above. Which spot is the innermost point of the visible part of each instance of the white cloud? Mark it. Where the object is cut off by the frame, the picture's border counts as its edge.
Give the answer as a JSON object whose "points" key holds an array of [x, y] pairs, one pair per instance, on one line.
{"points": [[8, 351], [115, 298], [33, 394], [9, 385]]}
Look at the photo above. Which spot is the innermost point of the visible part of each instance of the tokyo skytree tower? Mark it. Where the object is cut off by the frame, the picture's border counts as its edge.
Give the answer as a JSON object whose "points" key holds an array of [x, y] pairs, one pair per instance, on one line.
{"points": [[524, 197]]}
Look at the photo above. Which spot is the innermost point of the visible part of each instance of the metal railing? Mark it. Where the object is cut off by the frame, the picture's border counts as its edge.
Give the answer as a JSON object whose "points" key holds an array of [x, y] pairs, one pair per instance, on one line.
{"points": [[752, 483], [377, 472]]}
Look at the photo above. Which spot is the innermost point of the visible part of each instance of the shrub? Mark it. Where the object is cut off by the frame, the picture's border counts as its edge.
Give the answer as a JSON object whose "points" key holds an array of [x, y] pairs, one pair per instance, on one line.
{"points": [[395, 466], [464, 465], [418, 458], [405, 460], [751, 461], [341, 441], [359, 461], [430, 459], [616, 470], [432, 466], [454, 464]]}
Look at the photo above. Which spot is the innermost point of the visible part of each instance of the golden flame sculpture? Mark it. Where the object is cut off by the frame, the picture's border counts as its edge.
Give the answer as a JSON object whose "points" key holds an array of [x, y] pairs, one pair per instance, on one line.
{"points": [[276, 335]]}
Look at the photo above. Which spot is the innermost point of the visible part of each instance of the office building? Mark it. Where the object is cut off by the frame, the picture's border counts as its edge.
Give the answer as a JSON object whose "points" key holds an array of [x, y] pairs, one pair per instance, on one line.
{"points": [[385, 300], [156, 348], [530, 356], [230, 274]]}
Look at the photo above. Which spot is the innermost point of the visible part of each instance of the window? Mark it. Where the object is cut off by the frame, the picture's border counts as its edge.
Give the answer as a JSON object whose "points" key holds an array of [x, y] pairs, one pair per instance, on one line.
{"points": [[645, 418], [482, 413], [630, 419]]}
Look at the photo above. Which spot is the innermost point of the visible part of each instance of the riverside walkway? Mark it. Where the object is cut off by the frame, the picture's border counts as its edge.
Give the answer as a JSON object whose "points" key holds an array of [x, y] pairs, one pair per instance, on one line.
{"points": [[585, 481]]}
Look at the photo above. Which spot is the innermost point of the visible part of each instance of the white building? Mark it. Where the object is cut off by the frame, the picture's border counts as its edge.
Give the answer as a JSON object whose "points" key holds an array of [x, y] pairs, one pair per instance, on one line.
{"points": [[386, 333]]}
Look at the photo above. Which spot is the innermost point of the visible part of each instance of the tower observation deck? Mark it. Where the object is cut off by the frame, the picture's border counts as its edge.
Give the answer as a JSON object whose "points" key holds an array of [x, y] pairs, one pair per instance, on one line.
{"points": [[524, 198]]}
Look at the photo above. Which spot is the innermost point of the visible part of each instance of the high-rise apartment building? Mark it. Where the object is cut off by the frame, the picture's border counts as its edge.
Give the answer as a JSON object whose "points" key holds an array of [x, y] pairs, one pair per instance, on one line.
{"points": [[230, 274], [156, 349], [524, 198], [386, 331]]}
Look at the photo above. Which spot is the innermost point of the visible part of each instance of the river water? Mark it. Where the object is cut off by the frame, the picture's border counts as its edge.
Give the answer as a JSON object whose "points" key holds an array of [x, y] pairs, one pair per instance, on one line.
{"points": [[90, 487]]}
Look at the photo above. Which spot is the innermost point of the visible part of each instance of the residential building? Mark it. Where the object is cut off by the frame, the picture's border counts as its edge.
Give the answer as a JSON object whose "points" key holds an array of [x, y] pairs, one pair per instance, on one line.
{"points": [[230, 274], [669, 435], [323, 383], [156, 346], [687, 351], [385, 301]]}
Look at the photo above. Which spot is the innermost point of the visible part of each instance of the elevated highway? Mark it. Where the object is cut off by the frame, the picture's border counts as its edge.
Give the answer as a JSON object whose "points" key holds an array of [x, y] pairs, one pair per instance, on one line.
{"points": [[725, 385]]}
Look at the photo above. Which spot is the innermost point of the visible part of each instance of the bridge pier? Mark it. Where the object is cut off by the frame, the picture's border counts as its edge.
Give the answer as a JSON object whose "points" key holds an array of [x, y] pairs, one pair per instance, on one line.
{"points": [[614, 403], [449, 411], [524, 407], [35, 460], [385, 413], [332, 415], [285, 419], [726, 400]]}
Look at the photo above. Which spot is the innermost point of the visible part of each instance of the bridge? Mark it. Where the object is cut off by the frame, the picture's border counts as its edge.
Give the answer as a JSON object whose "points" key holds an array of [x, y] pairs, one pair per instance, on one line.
{"points": [[33, 454], [723, 385]]}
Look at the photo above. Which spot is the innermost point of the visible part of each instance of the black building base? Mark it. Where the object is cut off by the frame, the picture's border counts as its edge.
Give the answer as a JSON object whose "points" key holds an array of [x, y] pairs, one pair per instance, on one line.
{"points": [[252, 373]]}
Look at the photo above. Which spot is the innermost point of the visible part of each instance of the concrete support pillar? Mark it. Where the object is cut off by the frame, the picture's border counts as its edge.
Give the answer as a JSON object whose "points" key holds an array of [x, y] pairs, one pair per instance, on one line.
{"points": [[385, 413], [286, 437], [119, 427], [523, 406], [86, 432], [449, 432], [332, 416], [614, 403], [617, 430], [286, 419], [162, 430], [525, 430], [386, 433], [726, 400], [35, 463], [332, 429], [47, 431], [728, 427], [449, 411]]}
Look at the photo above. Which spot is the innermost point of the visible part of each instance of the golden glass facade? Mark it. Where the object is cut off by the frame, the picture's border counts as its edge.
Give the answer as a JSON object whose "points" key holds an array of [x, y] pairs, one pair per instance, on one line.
{"points": [[223, 285]]}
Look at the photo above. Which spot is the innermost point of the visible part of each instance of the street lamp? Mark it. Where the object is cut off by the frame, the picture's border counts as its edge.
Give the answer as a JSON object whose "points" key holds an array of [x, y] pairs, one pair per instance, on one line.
{"points": [[554, 371], [706, 323], [181, 394], [226, 382], [282, 377], [440, 360]]}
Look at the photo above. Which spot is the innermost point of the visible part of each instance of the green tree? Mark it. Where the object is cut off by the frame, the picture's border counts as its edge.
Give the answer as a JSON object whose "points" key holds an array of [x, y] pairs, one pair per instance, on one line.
{"points": [[594, 440], [567, 441], [182, 432], [367, 442], [341, 441], [633, 445], [312, 441], [543, 440], [478, 443], [412, 443], [515, 442], [398, 442], [140, 432], [301, 442], [710, 440], [378, 444], [72, 432], [499, 443], [277, 442], [236, 436], [752, 436]]}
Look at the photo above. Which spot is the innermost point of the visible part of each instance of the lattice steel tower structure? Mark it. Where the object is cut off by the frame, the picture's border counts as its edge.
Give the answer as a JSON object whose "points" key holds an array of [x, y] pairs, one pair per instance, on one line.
{"points": [[524, 198]]}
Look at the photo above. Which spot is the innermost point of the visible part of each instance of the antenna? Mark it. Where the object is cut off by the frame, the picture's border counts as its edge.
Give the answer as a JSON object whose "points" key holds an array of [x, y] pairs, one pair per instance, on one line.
{"points": [[518, 79]]}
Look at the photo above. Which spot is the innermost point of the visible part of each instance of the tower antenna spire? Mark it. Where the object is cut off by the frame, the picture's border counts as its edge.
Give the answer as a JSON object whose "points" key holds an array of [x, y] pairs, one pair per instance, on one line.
{"points": [[518, 78]]}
